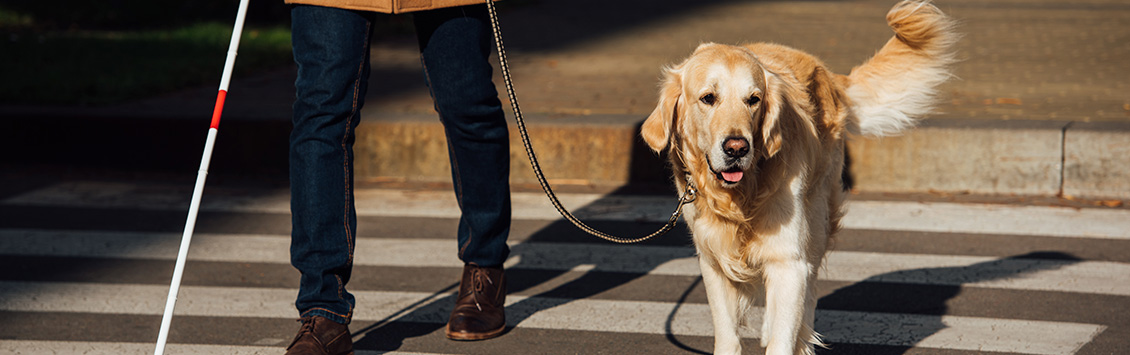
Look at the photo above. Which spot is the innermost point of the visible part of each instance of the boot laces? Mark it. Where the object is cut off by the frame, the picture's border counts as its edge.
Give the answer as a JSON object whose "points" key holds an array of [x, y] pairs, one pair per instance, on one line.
{"points": [[478, 275], [307, 328]]}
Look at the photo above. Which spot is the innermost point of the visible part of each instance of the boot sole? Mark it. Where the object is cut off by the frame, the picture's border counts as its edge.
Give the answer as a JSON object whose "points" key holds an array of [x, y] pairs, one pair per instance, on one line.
{"points": [[464, 336]]}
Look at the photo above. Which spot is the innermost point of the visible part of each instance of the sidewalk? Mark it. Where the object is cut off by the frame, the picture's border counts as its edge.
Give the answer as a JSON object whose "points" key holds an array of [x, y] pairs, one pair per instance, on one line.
{"points": [[1040, 105]]}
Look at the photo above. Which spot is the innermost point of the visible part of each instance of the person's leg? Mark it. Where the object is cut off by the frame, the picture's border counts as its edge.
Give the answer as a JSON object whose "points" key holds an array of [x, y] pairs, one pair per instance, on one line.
{"points": [[331, 49], [455, 47]]}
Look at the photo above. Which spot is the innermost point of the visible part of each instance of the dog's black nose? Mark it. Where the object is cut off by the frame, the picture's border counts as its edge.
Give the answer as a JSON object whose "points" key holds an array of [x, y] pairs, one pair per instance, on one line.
{"points": [[735, 147]]}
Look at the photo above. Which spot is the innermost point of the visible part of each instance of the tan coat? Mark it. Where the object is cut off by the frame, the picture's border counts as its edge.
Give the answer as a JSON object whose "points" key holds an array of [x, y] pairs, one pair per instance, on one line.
{"points": [[387, 6]]}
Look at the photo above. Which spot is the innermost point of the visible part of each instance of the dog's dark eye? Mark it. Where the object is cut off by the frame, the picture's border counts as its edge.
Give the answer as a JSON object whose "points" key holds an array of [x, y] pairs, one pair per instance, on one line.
{"points": [[753, 100], [707, 99]]}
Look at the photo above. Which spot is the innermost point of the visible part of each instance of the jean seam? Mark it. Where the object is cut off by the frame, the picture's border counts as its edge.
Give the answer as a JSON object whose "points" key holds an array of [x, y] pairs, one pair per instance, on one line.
{"points": [[347, 166], [347, 171]]}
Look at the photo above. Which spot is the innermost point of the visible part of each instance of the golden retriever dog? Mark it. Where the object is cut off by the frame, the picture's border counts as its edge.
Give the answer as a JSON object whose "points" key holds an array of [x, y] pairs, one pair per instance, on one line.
{"points": [[759, 131]]}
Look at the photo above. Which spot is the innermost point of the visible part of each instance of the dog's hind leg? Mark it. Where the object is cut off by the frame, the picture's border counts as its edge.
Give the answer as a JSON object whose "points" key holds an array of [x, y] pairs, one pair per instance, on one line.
{"points": [[725, 307], [787, 294]]}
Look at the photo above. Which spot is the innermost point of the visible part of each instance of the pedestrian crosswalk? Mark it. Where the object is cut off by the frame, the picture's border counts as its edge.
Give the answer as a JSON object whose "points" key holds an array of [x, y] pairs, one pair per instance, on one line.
{"points": [[1032, 293], [955, 332]]}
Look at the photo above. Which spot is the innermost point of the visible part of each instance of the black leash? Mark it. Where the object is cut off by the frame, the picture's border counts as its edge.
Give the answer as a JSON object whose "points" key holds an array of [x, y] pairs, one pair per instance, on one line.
{"points": [[688, 195]]}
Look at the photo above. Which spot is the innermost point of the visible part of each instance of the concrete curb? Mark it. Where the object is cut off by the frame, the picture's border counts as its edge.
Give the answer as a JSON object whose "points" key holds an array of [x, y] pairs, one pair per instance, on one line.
{"points": [[998, 157], [1097, 159], [1043, 158], [1037, 158], [583, 150]]}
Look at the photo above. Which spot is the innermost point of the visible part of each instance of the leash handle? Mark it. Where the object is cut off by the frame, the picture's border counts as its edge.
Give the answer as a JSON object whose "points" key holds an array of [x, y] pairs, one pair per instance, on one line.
{"points": [[688, 195]]}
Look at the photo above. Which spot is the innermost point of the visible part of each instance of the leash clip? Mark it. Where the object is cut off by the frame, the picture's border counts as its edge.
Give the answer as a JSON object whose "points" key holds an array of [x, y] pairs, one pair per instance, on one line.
{"points": [[689, 196]]}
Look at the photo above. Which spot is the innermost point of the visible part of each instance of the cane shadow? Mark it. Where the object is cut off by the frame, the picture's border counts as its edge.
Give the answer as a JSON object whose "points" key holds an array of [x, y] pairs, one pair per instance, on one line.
{"points": [[923, 293]]}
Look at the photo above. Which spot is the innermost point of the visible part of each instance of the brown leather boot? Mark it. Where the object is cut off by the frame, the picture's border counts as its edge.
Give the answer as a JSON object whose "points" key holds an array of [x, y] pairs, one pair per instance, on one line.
{"points": [[321, 336], [479, 312]]}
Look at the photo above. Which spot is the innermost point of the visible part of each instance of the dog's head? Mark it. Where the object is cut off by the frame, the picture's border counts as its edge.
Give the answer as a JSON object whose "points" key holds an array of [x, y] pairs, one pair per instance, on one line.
{"points": [[721, 105]]}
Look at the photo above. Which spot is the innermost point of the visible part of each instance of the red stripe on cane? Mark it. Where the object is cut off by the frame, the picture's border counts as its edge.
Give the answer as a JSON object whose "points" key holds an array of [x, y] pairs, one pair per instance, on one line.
{"points": [[219, 108]]}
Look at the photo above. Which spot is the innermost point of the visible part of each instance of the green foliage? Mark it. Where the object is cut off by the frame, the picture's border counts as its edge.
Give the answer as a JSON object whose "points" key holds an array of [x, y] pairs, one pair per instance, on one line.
{"points": [[136, 14], [71, 52], [93, 67]]}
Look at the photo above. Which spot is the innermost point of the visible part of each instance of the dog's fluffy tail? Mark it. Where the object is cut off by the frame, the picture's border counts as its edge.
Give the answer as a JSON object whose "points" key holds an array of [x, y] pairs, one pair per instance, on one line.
{"points": [[896, 87]]}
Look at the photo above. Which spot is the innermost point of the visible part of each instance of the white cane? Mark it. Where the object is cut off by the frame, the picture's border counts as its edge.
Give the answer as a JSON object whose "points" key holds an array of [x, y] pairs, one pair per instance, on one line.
{"points": [[201, 175]]}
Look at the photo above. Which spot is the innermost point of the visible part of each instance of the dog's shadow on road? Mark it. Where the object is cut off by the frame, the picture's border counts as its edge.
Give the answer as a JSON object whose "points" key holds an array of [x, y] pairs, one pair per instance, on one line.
{"points": [[921, 295]]}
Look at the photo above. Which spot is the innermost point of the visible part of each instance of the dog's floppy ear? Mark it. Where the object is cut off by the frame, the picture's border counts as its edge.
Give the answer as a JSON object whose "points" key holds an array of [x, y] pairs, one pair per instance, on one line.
{"points": [[658, 128], [780, 102]]}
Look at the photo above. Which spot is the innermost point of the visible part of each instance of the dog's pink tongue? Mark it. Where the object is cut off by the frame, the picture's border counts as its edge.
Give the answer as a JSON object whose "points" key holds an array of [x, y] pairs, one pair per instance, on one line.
{"points": [[734, 176]]}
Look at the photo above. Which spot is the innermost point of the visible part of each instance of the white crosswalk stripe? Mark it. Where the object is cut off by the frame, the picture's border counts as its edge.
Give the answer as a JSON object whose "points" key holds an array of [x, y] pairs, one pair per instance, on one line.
{"points": [[617, 315], [884, 215], [974, 271]]}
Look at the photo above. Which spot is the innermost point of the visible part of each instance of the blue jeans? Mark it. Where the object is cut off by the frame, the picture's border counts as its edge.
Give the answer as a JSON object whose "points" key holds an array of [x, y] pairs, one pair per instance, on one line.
{"points": [[331, 48]]}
